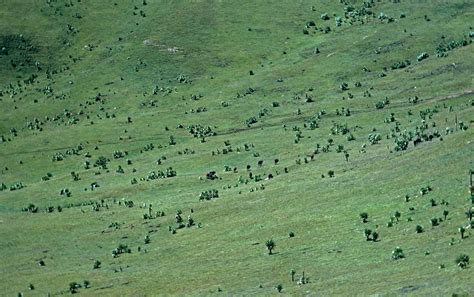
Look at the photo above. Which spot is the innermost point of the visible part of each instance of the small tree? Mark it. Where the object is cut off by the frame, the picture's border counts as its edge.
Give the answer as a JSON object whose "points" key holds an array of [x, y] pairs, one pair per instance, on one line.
{"points": [[172, 140], [462, 230], [462, 261], [279, 288], [469, 214], [97, 264], [292, 272], [445, 213], [270, 244], [364, 217], [397, 215]]}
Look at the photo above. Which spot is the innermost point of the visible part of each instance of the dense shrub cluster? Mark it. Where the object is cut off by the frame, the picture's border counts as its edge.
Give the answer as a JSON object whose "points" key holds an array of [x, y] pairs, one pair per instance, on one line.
{"points": [[209, 194]]}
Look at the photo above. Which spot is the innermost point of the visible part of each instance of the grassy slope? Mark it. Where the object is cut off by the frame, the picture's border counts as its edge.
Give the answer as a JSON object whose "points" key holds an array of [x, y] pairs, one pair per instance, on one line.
{"points": [[216, 50]]}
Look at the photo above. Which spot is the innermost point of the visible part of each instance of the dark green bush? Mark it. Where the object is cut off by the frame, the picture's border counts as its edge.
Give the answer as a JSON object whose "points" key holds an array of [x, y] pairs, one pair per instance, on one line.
{"points": [[462, 261], [398, 253]]}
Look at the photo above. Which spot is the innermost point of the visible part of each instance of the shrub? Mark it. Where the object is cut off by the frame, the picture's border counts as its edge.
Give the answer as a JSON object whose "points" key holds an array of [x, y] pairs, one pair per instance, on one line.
{"points": [[401, 142], [380, 105], [367, 233], [325, 17], [190, 222], [419, 229], [97, 264], [172, 140], [251, 121], [462, 260], [422, 56], [170, 172], [434, 222], [469, 214], [397, 215], [17, 186], [101, 162], [119, 154], [121, 249], [279, 288], [374, 138], [291, 234], [398, 253], [364, 217], [73, 287], [209, 194], [375, 236], [75, 176], [400, 65]]}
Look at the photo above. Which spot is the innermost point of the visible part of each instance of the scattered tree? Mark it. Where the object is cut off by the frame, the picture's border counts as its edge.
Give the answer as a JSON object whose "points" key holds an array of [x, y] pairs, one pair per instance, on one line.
{"points": [[270, 244], [445, 213]]}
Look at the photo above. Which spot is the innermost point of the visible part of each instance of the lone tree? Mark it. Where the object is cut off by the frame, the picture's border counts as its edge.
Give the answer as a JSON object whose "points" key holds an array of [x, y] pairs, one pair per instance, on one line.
{"points": [[292, 272], [270, 244]]}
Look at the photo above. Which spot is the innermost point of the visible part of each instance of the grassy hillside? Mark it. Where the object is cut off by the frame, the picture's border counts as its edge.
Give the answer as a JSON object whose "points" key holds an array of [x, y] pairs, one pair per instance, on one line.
{"points": [[255, 121]]}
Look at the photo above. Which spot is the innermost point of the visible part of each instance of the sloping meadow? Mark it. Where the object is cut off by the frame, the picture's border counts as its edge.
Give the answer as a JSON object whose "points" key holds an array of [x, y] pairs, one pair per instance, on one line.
{"points": [[249, 148]]}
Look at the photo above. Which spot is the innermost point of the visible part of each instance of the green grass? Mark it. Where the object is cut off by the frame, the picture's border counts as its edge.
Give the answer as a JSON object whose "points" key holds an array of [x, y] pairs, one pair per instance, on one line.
{"points": [[216, 44]]}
